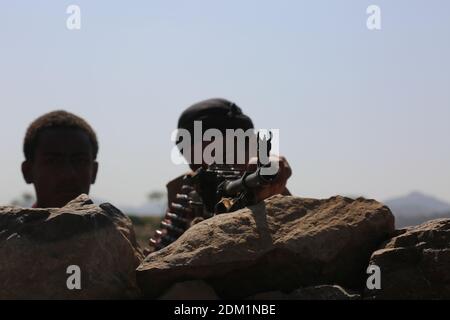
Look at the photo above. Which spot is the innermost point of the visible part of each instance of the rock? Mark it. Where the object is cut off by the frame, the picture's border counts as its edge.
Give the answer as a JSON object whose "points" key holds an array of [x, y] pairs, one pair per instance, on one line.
{"points": [[280, 244], [324, 292], [415, 264], [190, 290], [38, 245]]}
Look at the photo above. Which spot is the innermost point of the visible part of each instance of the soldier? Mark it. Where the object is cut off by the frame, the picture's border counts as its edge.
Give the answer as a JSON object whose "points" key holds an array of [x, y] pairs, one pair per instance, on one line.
{"points": [[60, 158], [185, 205]]}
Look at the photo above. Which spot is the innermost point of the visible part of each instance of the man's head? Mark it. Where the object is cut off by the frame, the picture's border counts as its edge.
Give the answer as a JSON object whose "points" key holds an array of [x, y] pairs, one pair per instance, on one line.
{"points": [[60, 158], [217, 114]]}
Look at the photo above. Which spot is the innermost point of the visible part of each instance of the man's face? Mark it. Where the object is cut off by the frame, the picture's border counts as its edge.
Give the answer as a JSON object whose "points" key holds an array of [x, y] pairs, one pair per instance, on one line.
{"points": [[236, 163], [63, 166]]}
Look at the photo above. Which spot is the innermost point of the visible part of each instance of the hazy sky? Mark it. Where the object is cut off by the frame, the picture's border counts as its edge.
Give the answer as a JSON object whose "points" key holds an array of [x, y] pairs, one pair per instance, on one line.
{"points": [[360, 112]]}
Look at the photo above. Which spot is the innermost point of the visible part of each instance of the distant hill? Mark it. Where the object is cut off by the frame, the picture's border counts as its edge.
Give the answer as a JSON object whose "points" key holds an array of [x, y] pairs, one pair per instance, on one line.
{"points": [[416, 208]]}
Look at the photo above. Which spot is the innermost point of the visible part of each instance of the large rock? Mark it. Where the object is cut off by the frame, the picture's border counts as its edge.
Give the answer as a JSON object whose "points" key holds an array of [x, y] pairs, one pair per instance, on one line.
{"points": [[415, 264], [323, 292], [281, 244], [38, 245]]}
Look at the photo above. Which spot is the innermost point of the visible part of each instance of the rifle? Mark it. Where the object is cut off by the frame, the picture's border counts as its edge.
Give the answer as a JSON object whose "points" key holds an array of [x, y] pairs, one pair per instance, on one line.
{"points": [[216, 189]]}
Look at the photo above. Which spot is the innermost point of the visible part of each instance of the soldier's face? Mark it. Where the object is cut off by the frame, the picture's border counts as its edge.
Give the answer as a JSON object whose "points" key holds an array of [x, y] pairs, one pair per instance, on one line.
{"points": [[63, 167], [238, 162]]}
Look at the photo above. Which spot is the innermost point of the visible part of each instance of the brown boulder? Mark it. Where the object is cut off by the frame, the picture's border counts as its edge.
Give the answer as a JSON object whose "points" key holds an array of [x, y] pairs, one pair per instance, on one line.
{"points": [[38, 245], [281, 244], [415, 264]]}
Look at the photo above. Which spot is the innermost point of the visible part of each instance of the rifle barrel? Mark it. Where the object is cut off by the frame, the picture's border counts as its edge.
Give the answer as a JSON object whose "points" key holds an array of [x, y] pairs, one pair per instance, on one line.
{"points": [[250, 181]]}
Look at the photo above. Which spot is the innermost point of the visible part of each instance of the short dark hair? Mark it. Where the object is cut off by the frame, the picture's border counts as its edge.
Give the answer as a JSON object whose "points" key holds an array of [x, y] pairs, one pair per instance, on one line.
{"points": [[55, 120]]}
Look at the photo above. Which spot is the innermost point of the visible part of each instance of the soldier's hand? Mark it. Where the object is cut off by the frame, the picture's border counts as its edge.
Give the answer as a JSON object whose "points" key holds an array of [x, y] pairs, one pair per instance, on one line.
{"points": [[278, 185]]}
